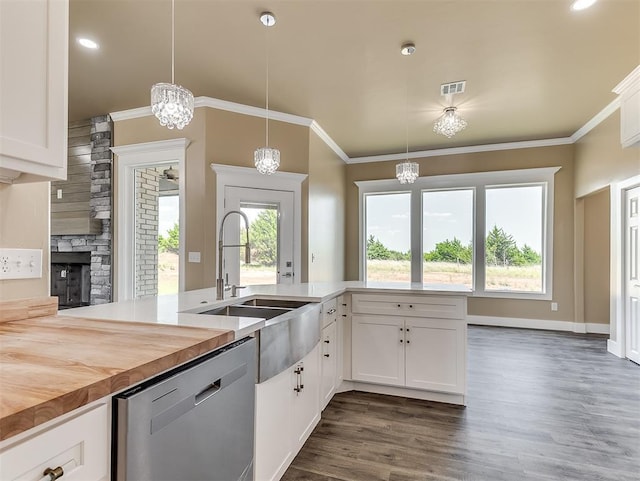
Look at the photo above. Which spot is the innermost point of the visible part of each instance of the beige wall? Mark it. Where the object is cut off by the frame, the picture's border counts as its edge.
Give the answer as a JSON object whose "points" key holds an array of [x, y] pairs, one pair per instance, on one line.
{"points": [[561, 156], [219, 137], [24, 224], [596, 257], [601, 160], [327, 174]]}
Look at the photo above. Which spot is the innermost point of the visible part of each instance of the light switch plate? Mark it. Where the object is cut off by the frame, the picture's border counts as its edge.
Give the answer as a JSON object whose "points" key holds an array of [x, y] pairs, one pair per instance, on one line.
{"points": [[20, 263], [194, 257]]}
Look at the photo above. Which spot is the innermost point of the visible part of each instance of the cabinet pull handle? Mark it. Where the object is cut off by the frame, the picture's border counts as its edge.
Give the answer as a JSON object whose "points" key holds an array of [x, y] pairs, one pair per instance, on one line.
{"points": [[344, 305], [54, 473], [331, 311], [326, 341], [326, 355]]}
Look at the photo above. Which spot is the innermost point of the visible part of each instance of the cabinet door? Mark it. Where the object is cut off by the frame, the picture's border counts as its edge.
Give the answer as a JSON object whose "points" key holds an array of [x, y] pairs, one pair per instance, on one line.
{"points": [[33, 94], [329, 359], [80, 446], [274, 426], [435, 355], [306, 411], [377, 349]]}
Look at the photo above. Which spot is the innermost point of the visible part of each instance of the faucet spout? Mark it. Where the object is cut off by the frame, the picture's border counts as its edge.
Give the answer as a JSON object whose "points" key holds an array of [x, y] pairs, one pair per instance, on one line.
{"points": [[221, 246]]}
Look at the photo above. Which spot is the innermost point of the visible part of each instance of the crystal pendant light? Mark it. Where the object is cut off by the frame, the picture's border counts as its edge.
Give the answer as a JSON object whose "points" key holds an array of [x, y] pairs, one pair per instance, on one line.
{"points": [[407, 172], [450, 123], [172, 104], [267, 159]]}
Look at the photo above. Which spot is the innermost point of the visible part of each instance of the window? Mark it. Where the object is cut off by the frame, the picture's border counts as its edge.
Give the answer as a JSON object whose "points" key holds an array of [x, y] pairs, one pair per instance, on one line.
{"points": [[388, 237], [514, 238], [490, 232], [447, 237]]}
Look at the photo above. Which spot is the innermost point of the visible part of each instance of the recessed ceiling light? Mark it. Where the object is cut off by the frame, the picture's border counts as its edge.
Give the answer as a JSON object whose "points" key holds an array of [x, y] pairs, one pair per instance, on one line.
{"points": [[582, 4], [88, 43]]}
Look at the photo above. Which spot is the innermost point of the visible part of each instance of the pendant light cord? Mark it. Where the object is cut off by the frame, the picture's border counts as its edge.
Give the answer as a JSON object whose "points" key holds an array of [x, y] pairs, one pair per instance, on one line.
{"points": [[173, 40], [406, 119], [266, 36]]}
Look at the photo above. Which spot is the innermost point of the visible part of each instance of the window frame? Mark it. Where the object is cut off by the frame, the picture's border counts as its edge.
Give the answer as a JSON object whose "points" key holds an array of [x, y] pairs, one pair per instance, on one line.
{"points": [[479, 182]]}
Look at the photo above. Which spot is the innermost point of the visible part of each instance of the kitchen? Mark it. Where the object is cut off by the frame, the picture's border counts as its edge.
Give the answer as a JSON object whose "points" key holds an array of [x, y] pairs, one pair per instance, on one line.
{"points": [[329, 197]]}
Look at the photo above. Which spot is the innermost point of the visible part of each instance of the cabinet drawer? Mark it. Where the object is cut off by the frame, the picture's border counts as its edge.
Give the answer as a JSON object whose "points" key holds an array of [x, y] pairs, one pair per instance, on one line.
{"points": [[80, 445], [441, 307], [329, 312]]}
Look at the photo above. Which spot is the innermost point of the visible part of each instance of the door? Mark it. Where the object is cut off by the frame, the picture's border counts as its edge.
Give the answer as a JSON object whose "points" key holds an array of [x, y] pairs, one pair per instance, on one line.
{"points": [[270, 214], [377, 345], [434, 355], [632, 273]]}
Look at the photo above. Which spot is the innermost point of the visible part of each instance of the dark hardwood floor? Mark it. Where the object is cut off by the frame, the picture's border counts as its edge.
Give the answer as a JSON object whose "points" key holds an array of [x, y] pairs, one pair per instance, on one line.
{"points": [[542, 405]]}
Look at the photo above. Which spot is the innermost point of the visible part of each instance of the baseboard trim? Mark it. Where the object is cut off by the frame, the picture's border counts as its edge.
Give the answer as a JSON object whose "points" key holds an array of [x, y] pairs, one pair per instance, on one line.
{"points": [[578, 327], [403, 392]]}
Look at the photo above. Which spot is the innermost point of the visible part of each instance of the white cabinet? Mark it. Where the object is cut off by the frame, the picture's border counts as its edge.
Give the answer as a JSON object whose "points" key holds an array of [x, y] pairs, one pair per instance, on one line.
{"points": [[417, 342], [287, 410], [629, 91], [79, 445], [33, 91], [329, 360]]}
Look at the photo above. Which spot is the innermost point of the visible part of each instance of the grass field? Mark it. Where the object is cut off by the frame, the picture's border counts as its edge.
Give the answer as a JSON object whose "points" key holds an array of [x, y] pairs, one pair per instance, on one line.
{"points": [[512, 278]]}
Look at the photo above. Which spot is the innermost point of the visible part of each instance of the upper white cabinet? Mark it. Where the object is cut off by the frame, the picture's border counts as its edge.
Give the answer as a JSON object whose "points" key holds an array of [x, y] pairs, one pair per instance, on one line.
{"points": [[33, 89], [629, 91]]}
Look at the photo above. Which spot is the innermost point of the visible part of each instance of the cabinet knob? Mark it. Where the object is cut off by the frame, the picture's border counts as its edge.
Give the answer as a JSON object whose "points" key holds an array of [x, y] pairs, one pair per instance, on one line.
{"points": [[410, 306], [407, 329], [400, 329], [326, 355], [401, 341], [398, 306], [408, 341], [54, 473]]}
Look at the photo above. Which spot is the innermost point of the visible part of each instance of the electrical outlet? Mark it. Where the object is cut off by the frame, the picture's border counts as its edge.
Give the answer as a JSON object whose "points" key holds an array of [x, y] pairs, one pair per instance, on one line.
{"points": [[20, 263], [554, 306]]}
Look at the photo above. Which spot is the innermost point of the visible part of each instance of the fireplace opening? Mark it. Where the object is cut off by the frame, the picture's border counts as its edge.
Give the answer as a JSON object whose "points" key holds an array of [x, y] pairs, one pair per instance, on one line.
{"points": [[71, 278]]}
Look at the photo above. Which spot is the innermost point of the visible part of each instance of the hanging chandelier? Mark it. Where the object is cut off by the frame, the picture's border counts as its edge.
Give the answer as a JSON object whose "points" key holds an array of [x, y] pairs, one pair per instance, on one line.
{"points": [[449, 123], [267, 159], [407, 172], [172, 104]]}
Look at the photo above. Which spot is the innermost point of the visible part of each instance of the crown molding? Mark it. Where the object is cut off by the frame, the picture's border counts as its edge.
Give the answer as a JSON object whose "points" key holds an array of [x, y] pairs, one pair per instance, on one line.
{"points": [[234, 170], [527, 144], [628, 81], [320, 132], [596, 120], [145, 147]]}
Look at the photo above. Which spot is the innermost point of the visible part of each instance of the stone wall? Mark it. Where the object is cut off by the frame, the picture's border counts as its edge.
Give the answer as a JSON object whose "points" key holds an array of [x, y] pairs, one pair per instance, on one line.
{"points": [[100, 140], [147, 191]]}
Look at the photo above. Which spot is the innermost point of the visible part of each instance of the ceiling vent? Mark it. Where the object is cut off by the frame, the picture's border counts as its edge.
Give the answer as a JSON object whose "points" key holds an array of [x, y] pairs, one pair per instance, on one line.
{"points": [[452, 88]]}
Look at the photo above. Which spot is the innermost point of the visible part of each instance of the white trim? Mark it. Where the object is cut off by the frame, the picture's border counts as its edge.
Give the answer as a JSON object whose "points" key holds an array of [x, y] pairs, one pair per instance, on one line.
{"points": [[628, 81], [130, 157], [544, 324], [617, 344], [320, 132], [477, 181], [444, 397], [527, 144], [596, 120], [228, 175]]}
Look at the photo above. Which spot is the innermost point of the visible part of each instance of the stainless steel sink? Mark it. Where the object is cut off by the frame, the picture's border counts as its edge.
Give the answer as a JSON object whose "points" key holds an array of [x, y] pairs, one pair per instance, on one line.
{"points": [[247, 311], [282, 303]]}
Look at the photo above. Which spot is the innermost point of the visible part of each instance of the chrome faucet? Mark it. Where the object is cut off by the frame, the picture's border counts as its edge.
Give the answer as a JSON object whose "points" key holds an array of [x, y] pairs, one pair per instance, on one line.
{"points": [[247, 252]]}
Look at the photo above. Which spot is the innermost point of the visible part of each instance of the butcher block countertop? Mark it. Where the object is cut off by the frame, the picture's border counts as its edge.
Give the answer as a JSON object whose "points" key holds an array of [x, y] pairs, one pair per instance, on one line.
{"points": [[52, 364]]}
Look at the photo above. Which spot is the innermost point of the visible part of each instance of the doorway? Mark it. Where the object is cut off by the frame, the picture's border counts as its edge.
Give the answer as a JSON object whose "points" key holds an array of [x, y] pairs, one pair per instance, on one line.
{"points": [[270, 214], [632, 273]]}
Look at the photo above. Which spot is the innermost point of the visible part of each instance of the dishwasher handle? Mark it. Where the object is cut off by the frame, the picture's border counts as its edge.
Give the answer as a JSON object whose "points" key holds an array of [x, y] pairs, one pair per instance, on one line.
{"points": [[207, 392]]}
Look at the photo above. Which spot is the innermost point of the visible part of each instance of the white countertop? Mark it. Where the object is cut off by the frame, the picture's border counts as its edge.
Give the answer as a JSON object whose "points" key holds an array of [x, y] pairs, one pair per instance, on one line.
{"points": [[170, 309]]}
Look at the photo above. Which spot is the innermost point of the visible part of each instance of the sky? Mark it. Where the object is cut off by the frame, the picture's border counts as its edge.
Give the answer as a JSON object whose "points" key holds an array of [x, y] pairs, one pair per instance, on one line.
{"points": [[169, 213], [448, 214]]}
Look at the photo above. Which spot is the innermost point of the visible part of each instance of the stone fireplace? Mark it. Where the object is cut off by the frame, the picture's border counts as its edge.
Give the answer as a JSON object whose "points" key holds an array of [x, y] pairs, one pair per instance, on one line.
{"points": [[81, 207]]}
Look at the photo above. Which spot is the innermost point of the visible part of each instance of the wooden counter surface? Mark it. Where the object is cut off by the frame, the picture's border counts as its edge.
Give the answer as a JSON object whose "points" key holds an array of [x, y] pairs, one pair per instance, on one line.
{"points": [[52, 365]]}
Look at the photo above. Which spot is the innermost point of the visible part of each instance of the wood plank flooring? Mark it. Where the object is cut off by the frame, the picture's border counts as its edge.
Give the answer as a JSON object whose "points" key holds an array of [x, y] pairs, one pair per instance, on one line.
{"points": [[542, 406]]}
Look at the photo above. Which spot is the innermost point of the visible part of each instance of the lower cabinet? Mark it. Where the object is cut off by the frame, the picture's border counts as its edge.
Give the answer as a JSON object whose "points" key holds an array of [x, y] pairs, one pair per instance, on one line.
{"points": [[77, 449], [422, 346], [329, 360], [287, 411]]}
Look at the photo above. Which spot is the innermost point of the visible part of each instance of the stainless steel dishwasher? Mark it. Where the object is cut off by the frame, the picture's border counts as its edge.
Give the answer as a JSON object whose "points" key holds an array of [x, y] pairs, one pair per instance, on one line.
{"points": [[193, 423]]}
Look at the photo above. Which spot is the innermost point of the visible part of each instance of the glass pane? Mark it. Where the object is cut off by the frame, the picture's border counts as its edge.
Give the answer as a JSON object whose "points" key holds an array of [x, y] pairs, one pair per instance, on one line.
{"points": [[447, 238], [168, 244], [514, 238], [388, 237], [263, 225]]}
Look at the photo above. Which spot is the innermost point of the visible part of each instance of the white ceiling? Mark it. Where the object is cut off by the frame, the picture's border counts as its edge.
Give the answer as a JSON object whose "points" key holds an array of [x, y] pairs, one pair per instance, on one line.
{"points": [[534, 69]]}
